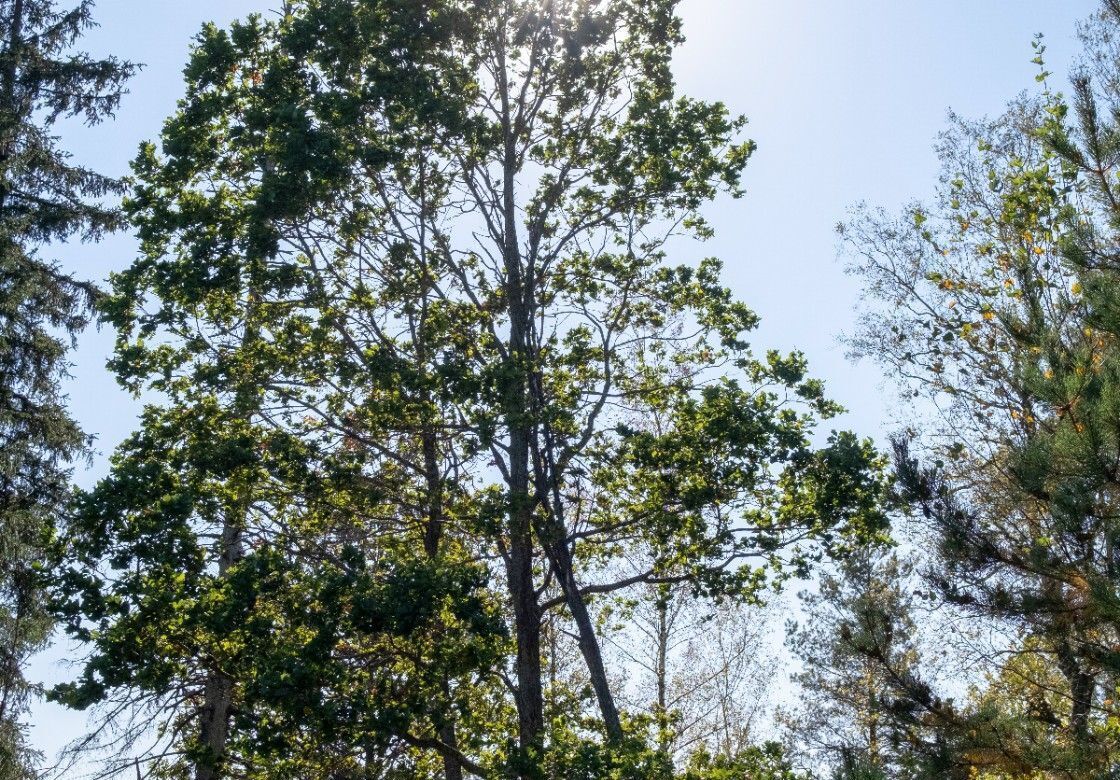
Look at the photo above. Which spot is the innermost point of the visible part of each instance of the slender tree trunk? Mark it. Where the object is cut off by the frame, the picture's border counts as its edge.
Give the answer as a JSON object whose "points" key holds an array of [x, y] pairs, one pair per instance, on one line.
{"points": [[872, 718], [661, 667], [561, 559], [10, 112], [433, 534], [10, 658], [12, 55], [555, 542]]}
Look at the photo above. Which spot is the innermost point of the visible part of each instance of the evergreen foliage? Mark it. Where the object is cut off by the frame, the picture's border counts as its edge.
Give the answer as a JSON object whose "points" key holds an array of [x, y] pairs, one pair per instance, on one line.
{"points": [[857, 644], [44, 198], [999, 301]]}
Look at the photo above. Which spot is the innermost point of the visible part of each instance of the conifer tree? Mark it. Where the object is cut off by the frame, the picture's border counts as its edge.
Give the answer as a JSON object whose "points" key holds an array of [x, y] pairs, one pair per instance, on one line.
{"points": [[858, 651], [995, 305], [44, 197]]}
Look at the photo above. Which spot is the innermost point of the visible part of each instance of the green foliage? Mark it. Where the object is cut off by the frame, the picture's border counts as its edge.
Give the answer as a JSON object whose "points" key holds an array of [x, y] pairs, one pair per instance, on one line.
{"points": [[43, 198], [766, 762], [999, 305], [861, 666], [406, 295], [587, 758]]}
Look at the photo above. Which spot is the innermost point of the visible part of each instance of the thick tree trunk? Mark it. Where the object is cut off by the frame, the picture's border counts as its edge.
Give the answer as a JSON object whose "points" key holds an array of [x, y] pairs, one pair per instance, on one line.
{"points": [[526, 607], [214, 726], [527, 633], [452, 770], [217, 703], [1082, 687], [1080, 679]]}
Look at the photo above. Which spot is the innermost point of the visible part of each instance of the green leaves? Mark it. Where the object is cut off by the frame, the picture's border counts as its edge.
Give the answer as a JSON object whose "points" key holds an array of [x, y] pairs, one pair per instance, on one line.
{"points": [[429, 380]]}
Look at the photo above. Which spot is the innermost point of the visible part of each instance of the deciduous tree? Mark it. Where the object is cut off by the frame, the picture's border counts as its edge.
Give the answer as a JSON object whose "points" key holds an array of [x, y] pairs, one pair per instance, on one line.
{"points": [[456, 217]]}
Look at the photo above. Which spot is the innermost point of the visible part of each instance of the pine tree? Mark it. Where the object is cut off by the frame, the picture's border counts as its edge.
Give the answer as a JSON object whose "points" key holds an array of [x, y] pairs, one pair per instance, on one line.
{"points": [[857, 646], [996, 304], [43, 198]]}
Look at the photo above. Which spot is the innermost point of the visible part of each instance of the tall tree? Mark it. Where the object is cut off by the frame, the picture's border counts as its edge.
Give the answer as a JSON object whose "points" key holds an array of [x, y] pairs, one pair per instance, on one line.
{"points": [[276, 549], [461, 215], [43, 198], [998, 308]]}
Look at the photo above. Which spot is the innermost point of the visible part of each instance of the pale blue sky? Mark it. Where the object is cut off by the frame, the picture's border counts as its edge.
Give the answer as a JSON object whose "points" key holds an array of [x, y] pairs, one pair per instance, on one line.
{"points": [[845, 98]]}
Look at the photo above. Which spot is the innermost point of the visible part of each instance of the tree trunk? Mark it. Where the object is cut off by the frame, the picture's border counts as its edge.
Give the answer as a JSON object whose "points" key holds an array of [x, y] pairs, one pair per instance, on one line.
{"points": [[433, 534], [218, 691], [554, 539], [10, 112], [561, 558], [527, 632], [452, 770], [662, 673], [1081, 681]]}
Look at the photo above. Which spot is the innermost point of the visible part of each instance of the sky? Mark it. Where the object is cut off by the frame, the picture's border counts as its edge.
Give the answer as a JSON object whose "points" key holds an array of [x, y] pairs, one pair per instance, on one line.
{"points": [[845, 100]]}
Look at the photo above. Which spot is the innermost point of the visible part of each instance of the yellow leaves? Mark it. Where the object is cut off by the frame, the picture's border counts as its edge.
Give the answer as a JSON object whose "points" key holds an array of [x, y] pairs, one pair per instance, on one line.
{"points": [[988, 315], [1039, 250], [1075, 288]]}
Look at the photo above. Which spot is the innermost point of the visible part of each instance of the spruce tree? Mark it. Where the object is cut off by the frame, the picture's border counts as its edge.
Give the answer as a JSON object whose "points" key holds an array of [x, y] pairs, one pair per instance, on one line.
{"points": [[44, 197]]}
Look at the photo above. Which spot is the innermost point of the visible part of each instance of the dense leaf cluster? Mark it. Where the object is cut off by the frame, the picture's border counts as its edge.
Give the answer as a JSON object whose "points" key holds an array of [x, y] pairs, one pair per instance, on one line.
{"points": [[429, 389]]}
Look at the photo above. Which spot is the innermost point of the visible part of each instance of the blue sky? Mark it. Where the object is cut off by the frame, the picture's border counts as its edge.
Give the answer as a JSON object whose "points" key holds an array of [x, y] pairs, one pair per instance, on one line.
{"points": [[845, 99]]}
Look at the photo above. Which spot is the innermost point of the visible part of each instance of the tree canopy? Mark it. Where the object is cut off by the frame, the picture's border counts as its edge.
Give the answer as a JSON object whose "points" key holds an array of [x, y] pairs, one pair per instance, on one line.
{"points": [[451, 464]]}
